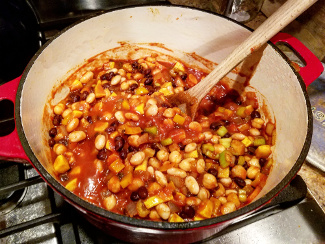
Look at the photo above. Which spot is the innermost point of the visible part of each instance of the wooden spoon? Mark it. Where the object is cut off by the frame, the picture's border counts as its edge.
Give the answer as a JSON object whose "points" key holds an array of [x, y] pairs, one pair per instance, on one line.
{"points": [[189, 100]]}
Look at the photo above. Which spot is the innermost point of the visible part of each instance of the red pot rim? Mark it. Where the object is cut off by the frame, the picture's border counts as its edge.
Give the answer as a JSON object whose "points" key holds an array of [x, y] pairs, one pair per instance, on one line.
{"points": [[102, 213]]}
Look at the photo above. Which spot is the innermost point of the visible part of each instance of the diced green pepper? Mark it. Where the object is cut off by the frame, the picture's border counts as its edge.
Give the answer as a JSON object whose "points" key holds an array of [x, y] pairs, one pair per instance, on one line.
{"points": [[222, 131], [152, 130], [211, 155], [258, 141], [241, 112], [224, 159], [207, 147], [167, 141], [225, 142]]}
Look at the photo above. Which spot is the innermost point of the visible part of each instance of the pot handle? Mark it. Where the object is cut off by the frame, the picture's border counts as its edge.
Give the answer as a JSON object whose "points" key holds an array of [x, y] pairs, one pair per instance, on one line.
{"points": [[313, 68], [10, 146]]}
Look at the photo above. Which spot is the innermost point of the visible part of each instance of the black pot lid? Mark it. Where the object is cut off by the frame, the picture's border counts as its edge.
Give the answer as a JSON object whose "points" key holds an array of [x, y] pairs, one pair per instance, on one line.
{"points": [[316, 91]]}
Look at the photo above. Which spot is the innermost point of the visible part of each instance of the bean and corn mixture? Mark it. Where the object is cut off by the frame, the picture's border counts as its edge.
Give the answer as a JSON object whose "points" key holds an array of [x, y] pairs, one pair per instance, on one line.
{"points": [[116, 142]]}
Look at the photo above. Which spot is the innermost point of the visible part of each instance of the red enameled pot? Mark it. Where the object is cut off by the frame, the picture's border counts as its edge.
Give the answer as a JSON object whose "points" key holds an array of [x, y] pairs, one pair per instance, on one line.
{"points": [[178, 29]]}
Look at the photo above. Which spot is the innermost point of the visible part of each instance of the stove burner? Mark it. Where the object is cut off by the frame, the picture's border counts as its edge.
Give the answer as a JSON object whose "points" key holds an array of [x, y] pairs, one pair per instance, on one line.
{"points": [[10, 174]]}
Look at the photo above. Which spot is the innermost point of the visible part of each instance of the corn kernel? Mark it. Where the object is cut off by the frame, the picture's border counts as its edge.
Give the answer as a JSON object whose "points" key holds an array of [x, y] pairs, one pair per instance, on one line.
{"points": [[72, 185], [247, 142], [140, 108]]}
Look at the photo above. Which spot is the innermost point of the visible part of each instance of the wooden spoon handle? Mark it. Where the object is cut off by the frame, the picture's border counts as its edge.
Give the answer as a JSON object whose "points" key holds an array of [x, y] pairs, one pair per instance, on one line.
{"points": [[271, 26]]}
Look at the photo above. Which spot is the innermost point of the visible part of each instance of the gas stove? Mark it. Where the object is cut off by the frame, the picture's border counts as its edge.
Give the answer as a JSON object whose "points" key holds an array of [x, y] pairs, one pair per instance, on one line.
{"points": [[31, 212]]}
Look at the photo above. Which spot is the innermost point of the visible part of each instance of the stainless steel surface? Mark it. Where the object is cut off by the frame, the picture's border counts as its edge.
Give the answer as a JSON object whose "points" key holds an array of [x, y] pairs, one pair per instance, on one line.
{"points": [[316, 91]]}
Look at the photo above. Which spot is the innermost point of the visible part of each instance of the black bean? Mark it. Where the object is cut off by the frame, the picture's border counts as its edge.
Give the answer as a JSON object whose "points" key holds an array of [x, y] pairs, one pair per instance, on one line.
{"points": [[155, 147], [251, 150], [181, 146], [227, 135], [147, 73], [106, 85], [123, 154], [184, 76], [262, 161], [240, 182], [148, 81], [84, 95], [63, 142], [53, 132], [74, 97], [102, 155], [120, 175], [57, 120], [238, 102], [89, 119], [132, 149], [255, 114], [226, 122], [134, 196], [107, 76], [215, 125], [51, 142], [143, 192], [119, 143], [213, 171], [110, 129], [64, 177], [133, 86], [135, 65], [188, 212]]}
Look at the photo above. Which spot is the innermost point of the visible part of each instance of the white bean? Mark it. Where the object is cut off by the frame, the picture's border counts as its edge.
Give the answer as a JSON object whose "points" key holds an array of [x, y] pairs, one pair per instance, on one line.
{"points": [[120, 116], [100, 142], [162, 155], [132, 116], [91, 98], [110, 202], [161, 178], [200, 166], [190, 147], [77, 136], [87, 77], [169, 113], [116, 79], [59, 148], [163, 210], [73, 124], [137, 158], [186, 164], [192, 185], [238, 136], [203, 194], [58, 109], [152, 110], [175, 157], [209, 181], [176, 172]]}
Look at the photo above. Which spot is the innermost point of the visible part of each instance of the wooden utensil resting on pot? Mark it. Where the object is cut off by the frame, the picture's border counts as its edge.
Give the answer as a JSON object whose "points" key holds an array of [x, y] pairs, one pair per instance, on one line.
{"points": [[189, 100]]}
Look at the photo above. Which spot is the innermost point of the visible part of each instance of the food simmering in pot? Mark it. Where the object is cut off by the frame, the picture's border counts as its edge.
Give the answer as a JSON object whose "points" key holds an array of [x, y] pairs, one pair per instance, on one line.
{"points": [[116, 142]]}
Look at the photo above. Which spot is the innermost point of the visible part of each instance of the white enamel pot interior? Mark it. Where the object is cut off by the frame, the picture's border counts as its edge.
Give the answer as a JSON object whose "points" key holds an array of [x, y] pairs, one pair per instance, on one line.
{"points": [[178, 28]]}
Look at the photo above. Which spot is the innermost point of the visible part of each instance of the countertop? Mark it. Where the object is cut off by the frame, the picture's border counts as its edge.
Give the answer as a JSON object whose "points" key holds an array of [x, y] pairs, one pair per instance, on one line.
{"points": [[308, 29]]}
